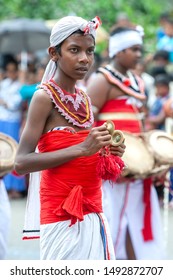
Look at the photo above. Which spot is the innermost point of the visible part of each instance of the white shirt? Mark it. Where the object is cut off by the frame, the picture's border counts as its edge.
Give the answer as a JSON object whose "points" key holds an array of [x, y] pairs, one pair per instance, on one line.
{"points": [[9, 93]]}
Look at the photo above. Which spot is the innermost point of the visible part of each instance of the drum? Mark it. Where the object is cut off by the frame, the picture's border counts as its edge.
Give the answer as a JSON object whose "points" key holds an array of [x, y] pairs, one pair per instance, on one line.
{"points": [[160, 144], [8, 148], [159, 171], [137, 157]]}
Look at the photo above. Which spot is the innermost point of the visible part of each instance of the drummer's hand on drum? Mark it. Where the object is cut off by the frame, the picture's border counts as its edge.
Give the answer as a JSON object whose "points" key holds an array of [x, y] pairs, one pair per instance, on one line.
{"points": [[118, 150]]}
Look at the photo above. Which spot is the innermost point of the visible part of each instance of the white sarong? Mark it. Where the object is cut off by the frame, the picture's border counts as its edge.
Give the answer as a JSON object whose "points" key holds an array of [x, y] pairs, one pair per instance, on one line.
{"points": [[123, 207], [86, 240], [89, 239], [5, 219]]}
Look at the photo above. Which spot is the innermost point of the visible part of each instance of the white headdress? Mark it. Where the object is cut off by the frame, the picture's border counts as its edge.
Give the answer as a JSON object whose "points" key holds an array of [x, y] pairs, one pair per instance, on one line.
{"points": [[123, 40], [62, 30]]}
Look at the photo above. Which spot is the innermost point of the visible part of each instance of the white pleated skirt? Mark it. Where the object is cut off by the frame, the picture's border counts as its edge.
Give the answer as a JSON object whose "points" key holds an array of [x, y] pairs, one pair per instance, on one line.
{"points": [[86, 240], [123, 207]]}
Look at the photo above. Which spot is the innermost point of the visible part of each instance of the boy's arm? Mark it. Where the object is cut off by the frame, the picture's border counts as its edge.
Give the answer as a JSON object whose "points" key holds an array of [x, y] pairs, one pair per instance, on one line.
{"points": [[98, 90]]}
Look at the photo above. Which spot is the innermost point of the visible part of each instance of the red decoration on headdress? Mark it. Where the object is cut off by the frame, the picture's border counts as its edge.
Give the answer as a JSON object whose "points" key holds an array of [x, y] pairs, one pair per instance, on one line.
{"points": [[92, 25], [109, 166]]}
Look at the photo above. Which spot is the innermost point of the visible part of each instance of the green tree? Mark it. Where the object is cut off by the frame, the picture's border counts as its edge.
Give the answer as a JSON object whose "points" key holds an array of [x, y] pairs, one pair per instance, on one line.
{"points": [[145, 13]]}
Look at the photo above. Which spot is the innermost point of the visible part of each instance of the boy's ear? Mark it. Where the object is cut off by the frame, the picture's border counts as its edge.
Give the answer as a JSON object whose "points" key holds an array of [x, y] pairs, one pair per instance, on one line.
{"points": [[53, 53]]}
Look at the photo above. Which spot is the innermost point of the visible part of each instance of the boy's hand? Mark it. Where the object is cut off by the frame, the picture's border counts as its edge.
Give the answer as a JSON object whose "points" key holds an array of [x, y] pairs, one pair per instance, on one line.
{"points": [[98, 137], [118, 150]]}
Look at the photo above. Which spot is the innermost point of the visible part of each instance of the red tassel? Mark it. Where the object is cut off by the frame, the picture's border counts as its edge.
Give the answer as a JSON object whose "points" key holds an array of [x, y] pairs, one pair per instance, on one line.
{"points": [[109, 166]]}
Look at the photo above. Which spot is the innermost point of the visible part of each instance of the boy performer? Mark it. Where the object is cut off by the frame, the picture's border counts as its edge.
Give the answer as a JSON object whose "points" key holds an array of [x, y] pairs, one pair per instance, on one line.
{"points": [[59, 124]]}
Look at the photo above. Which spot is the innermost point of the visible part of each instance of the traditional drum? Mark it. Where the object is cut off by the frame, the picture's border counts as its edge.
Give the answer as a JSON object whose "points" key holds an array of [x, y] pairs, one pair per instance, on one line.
{"points": [[8, 148], [160, 144], [137, 157]]}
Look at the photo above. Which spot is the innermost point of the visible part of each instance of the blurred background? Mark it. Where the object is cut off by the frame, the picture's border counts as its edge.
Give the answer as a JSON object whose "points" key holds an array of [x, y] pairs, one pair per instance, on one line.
{"points": [[25, 28], [146, 13]]}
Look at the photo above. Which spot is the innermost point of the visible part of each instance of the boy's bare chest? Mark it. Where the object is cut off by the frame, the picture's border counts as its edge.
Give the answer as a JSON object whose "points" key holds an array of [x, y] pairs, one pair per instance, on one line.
{"points": [[55, 119]]}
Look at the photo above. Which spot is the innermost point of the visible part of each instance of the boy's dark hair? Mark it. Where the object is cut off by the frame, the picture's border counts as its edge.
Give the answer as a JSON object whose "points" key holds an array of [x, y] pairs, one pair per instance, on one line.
{"points": [[163, 16], [5, 59], [161, 54], [158, 70], [14, 62], [162, 79], [58, 47]]}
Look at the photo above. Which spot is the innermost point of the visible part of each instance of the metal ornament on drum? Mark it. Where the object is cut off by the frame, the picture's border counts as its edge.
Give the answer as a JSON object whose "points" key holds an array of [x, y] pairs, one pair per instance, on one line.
{"points": [[160, 144], [137, 157], [8, 148]]}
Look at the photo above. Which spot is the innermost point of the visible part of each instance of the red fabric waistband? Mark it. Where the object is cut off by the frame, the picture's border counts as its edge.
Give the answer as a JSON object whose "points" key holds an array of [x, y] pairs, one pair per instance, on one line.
{"points": [[70, 190]]}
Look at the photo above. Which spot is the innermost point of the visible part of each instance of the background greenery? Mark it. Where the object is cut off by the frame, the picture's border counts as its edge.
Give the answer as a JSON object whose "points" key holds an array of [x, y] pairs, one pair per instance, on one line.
{"points": [[143, 12]]}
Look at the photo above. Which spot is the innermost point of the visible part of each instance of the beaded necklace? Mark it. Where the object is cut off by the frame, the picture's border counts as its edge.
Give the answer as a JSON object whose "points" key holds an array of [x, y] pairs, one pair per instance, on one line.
{"points": [[76, 108]]}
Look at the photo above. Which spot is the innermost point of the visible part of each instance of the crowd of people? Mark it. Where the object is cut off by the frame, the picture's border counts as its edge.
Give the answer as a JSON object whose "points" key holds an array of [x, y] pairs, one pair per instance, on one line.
{"points": [[57, 110]]}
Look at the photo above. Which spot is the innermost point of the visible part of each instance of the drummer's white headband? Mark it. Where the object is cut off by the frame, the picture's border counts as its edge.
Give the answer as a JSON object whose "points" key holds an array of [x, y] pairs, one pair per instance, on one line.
{"points": [[123, 40]]}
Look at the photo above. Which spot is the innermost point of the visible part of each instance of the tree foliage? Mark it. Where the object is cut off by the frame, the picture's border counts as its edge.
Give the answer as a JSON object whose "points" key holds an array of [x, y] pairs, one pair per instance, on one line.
{"points": [[145, 13]]}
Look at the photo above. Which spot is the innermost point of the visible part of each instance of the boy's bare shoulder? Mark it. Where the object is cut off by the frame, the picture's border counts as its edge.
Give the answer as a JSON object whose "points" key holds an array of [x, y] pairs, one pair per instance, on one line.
{"points": [[41, 93], [41, 96]]}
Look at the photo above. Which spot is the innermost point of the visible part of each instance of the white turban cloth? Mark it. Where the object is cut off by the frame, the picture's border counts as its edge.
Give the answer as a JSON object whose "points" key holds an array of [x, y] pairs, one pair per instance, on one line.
{"points": [[123, 40], [62, 30]]}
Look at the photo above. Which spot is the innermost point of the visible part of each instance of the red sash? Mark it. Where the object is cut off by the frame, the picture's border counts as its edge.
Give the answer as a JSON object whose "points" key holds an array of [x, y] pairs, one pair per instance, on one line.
{"points": [[70, 190], [117, 107]]}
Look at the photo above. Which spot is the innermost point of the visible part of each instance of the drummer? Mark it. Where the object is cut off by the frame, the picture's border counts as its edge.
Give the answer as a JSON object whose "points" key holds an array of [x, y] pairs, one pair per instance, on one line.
{"points": [[131, 207]]}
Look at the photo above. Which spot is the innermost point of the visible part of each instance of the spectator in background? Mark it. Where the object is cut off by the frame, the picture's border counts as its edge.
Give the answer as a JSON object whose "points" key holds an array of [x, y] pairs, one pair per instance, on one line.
{"points": [[160, 62], [140, 70], [157, 116], [161, 58], [10, 120], [31, 80], [5, 219], [166, 42], [162, 20]]}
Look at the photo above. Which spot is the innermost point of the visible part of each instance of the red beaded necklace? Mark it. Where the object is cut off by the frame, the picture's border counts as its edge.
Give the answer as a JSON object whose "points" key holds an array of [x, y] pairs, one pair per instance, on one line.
{"points": [[74, 107]]}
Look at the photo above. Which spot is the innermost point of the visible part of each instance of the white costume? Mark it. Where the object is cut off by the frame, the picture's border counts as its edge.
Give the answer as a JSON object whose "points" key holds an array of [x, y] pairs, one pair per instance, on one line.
{"points": [[5, 217], [82, 241], [123, 206], [87, 239]]}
